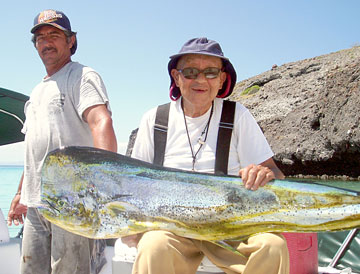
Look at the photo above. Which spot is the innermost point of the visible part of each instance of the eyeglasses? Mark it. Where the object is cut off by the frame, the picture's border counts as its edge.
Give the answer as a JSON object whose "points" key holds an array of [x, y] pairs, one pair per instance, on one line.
{"points": [[193, 73]]}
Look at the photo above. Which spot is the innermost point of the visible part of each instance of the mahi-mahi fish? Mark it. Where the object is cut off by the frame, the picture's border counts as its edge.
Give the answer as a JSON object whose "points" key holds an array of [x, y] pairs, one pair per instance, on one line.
{"points": [[100, 194]]}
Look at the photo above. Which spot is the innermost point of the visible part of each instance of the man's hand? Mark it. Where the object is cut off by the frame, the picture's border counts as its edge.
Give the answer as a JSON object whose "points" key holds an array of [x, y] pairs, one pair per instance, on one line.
{"points": [[255, 176], [132, 240], [17, 212]]}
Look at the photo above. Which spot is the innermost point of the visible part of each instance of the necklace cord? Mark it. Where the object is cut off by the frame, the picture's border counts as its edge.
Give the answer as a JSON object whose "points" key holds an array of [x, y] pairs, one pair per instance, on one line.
{"points": [[206, 130]]}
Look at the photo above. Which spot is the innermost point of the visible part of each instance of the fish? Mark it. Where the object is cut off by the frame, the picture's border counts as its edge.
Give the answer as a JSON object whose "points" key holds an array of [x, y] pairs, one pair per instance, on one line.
{"points": [[100, 194]]}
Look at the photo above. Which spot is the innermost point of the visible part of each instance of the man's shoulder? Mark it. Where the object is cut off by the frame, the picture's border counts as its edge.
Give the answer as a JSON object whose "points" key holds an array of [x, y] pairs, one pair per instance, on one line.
{"points": [[76, 66], [76, 71], [240, 108]]}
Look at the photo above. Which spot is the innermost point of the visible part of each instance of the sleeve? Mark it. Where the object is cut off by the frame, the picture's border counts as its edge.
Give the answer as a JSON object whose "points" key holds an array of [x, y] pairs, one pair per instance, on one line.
{"points": [[25, 125], [252, 147], [144, 143], [92, 92]]}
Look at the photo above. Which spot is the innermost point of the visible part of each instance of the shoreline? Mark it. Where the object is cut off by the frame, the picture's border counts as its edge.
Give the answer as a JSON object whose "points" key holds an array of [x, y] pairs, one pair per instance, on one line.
{"points": [[325, 177]]}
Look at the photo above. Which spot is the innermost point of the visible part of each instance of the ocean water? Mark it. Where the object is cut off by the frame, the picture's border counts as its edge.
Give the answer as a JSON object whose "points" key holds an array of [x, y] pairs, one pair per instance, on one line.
{"points": [[9, 182]]}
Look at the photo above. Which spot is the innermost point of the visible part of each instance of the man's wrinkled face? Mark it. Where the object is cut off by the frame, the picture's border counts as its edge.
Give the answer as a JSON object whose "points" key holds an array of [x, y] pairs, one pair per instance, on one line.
{"points": [[200, 89], [52, 45]]}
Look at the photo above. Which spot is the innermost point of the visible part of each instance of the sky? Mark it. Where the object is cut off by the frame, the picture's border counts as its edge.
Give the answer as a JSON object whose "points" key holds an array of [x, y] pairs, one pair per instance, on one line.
{"points": [[129, 43]]}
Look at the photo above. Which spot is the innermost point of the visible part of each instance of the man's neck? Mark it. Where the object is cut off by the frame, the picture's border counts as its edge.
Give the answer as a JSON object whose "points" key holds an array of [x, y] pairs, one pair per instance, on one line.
{"points": [[51, 70]]}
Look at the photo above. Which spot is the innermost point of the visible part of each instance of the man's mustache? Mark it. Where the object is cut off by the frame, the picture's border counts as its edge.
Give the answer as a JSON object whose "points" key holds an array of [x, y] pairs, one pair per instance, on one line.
{"points": [[48, 49]]}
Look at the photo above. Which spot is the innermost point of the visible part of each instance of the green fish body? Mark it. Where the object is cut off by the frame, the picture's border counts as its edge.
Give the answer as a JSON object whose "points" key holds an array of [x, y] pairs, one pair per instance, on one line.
{"points": [[100, 194]]}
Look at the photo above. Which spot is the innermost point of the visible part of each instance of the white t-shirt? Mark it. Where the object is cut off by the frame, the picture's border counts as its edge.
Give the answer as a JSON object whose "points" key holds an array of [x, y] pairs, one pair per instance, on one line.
{"points": [[54, 120], [248, 143]]}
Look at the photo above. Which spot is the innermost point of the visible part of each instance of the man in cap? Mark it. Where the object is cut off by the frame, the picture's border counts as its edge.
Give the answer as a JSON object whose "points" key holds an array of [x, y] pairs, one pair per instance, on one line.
{"points": [[69, 107], [201, 76]]}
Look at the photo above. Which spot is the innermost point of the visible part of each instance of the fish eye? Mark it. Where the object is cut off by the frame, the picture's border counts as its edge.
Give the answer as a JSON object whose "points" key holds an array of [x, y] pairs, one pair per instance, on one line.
{"points": [[61, 203]]}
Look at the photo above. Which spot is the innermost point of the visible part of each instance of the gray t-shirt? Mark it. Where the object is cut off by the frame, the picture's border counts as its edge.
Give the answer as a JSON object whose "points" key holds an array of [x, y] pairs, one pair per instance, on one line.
{"points": [[54, 120]]}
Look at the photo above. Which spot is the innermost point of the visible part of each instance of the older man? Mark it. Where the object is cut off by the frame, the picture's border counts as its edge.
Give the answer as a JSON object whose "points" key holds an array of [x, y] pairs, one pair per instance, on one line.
{"points": [[68, 107], [200, 77]]}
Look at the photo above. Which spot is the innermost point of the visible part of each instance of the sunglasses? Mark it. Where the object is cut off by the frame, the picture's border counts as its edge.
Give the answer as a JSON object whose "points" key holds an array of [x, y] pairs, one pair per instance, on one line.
{"points": [[193, 73]]}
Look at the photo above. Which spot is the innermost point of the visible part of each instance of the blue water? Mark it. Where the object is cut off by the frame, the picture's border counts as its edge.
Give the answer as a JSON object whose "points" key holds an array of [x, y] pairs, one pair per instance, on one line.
{"points": [[9, 182]]}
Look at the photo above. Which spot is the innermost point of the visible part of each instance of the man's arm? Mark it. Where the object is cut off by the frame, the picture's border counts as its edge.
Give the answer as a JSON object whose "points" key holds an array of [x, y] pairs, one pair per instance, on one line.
{"points": [[17, 211], [255, 176], [100, 123]]}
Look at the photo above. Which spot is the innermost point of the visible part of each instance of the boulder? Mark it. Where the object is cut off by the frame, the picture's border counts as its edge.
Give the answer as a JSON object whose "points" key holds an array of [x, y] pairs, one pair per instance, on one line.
{"points": [[309, 112]]}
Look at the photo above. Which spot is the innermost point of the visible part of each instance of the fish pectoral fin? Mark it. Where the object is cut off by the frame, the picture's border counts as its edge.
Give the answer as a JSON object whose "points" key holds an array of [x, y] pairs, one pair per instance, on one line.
{"points": [[52, 206], [121, 206], [225, 245]]}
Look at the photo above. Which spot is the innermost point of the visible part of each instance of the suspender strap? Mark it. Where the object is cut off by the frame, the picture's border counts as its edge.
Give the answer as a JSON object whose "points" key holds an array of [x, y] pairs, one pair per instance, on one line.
{"points": [[223, 141], [224, 137], [160, 133]]}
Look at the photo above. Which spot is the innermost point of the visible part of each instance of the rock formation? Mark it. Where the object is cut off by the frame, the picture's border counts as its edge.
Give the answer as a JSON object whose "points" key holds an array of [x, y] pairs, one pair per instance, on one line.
{"points": [[309, 112]]}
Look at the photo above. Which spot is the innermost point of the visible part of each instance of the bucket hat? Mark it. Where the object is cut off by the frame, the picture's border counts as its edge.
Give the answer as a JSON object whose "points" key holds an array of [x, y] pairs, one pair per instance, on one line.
{"points": [[56, 19], [203, 46]]}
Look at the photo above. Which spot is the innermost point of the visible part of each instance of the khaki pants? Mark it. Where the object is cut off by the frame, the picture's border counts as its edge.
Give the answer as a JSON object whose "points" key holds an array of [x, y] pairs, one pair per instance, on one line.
{"points": [[161, 252]]}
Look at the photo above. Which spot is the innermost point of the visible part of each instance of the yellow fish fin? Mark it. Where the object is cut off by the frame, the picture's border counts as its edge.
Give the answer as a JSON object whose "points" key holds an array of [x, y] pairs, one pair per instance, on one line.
{"points": [[225, 245]]}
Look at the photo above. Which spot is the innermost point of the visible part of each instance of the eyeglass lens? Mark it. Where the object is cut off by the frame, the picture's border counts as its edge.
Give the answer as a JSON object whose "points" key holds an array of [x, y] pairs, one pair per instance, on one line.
{"points": [[193, 73]]}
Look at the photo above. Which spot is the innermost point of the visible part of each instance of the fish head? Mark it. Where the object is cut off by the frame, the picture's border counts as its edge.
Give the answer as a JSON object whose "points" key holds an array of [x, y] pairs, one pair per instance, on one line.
{"points": [[75, 215]]}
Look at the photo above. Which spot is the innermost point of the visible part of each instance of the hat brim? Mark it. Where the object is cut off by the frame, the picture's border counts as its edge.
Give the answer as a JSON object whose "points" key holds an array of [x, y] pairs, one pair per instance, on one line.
{"points": [[47, 24]]}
